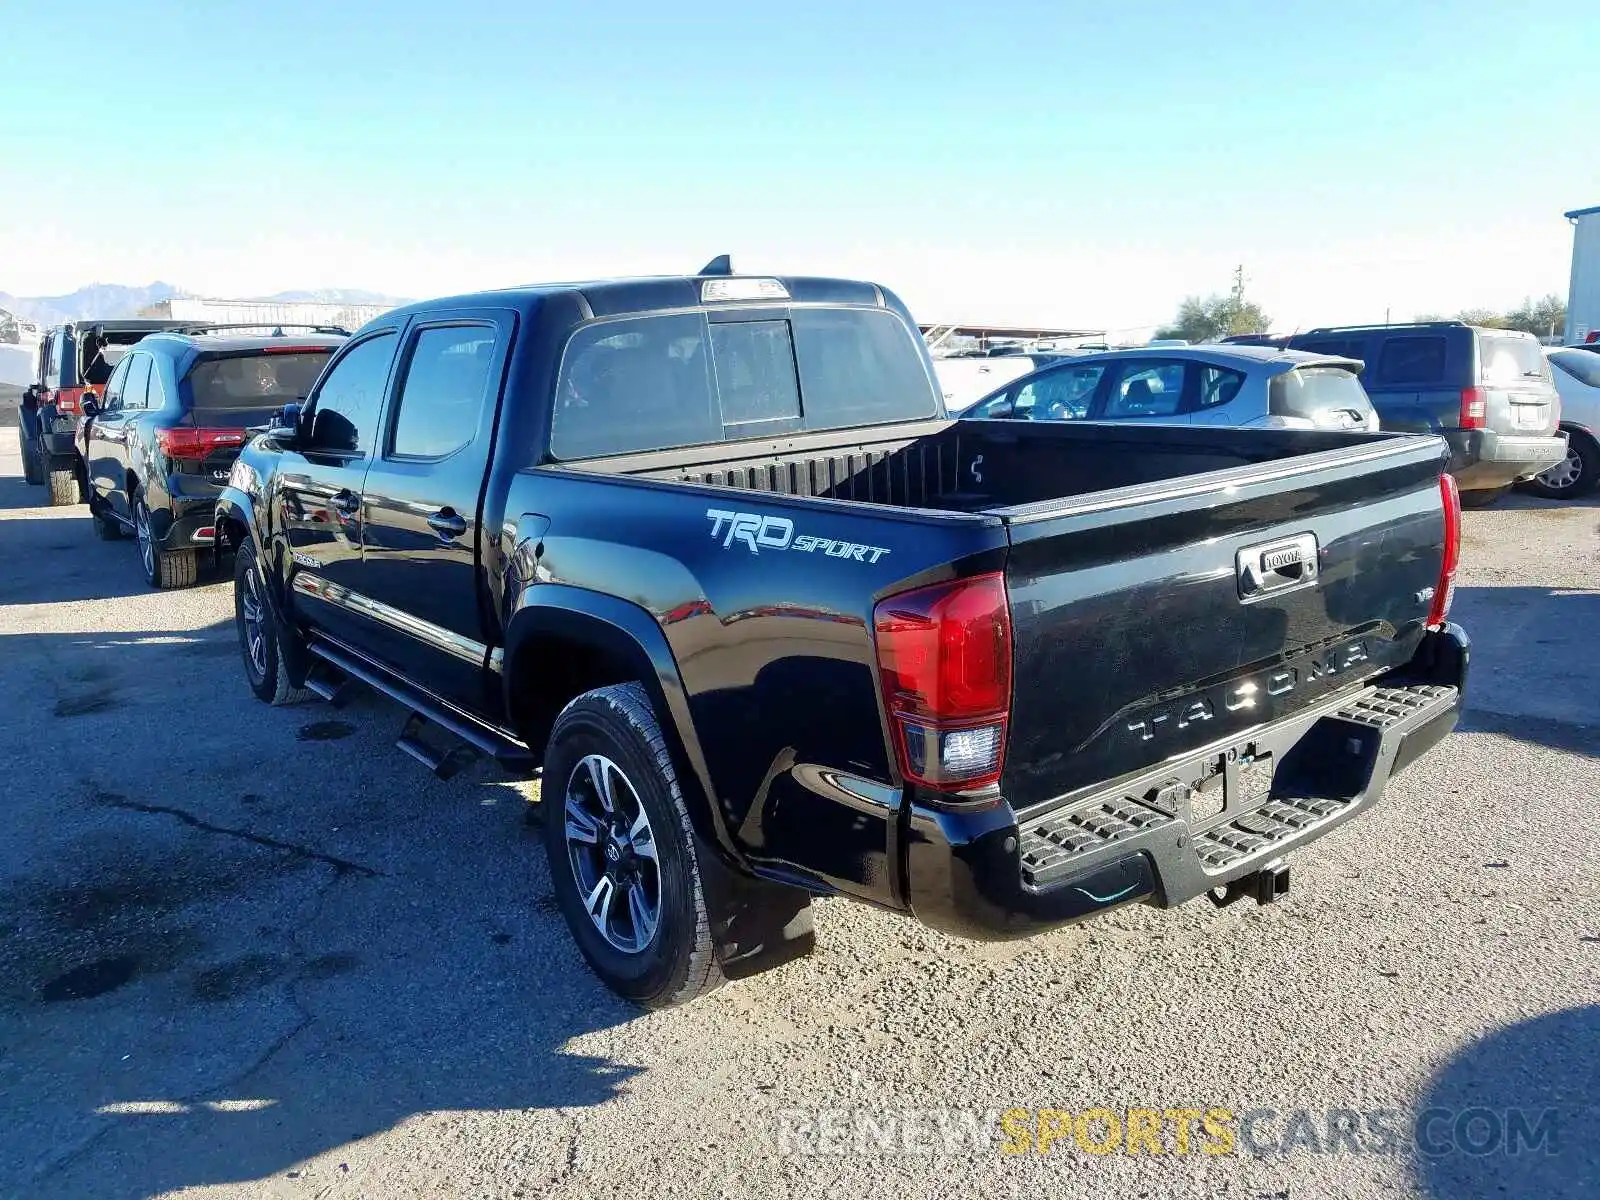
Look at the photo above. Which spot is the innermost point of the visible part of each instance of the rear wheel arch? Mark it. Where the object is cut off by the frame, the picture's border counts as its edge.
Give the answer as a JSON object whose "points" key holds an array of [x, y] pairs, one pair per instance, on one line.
{"points": [[565, 646]]}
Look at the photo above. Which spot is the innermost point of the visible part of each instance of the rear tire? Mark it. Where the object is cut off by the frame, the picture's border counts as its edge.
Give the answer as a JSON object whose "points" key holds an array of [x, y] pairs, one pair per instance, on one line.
{"points": [[261, 639], [32, 468], [1577, 475], [662, 953], [64, 487], [1483, 498], [162, 568]]}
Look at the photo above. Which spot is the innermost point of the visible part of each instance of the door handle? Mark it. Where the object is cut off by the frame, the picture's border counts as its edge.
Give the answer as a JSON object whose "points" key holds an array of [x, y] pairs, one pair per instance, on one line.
{"points": [[346, 501], [447, 523]]}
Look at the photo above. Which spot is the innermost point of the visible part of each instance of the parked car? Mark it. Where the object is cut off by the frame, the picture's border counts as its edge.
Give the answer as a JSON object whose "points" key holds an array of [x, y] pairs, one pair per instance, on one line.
{"points": [[1485, 391], [963, 379], [74, 361], [1577, 379], [1191, 385], [707, 552], [156, 449]]}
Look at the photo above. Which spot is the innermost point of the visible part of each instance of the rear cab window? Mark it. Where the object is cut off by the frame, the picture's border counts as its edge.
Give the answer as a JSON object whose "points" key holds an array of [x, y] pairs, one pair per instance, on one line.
{"points": [[660, 381]]}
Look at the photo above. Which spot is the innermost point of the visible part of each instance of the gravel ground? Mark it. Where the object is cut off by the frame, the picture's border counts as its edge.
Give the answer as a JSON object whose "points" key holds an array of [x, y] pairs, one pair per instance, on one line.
{"points": [[323, 973]]}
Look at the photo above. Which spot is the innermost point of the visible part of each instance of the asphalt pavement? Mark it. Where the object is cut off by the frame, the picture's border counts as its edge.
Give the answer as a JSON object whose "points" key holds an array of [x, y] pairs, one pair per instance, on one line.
{"points": [[253, 952]]}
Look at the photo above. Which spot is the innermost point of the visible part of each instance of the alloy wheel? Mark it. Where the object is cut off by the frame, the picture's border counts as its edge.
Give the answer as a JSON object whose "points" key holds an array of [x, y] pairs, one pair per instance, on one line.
{"points": [[253, 610], [612, 850], [147, 544]]}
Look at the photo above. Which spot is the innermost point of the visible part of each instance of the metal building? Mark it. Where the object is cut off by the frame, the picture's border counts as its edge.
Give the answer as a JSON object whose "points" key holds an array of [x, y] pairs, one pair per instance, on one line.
{"points": [[1583, 296], [264, 312]]}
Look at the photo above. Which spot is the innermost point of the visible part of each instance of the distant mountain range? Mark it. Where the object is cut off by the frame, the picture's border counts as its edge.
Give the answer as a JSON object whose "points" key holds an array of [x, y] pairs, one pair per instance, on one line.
{"points": [[103, 301]]}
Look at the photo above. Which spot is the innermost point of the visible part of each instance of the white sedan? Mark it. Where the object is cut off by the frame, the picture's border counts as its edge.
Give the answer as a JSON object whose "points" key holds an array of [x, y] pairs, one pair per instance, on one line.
{"points": [[1577, 378]]}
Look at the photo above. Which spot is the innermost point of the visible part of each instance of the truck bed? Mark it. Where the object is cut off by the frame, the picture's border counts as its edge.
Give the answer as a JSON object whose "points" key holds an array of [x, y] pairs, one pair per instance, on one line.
{"points": [[1004, 467], [1135, 641]]}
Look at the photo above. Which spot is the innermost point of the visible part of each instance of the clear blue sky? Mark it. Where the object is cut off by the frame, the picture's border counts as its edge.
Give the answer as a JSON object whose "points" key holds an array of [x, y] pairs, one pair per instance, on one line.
{"points": [[1004, 161]]}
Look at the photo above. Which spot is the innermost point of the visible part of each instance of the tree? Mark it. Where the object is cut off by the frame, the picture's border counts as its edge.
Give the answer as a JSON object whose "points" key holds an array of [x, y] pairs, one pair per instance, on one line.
{"points": [[1542, 318], [1485, 317], [1215, 317]]}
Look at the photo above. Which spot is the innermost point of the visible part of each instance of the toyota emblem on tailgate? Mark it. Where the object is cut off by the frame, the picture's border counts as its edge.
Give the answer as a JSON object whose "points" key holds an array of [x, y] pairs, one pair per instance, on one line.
{"points": [[1277, 567]]}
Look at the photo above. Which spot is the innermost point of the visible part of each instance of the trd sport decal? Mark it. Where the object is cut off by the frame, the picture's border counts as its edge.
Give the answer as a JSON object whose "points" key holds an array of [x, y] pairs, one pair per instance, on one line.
{"points": [[758, 533]]}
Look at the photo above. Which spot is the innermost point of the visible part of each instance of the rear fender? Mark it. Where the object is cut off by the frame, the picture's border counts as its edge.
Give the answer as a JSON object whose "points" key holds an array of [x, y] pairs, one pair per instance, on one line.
{"points": [[756, 923], [625, 633]]}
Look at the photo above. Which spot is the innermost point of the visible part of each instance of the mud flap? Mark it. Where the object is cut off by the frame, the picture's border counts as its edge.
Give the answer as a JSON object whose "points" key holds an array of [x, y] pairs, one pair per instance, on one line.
{"points": [[755, 924]]}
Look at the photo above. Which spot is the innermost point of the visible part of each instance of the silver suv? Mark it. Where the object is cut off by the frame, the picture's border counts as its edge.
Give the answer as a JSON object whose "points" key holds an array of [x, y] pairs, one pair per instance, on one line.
{"points": [[1191, 385]]}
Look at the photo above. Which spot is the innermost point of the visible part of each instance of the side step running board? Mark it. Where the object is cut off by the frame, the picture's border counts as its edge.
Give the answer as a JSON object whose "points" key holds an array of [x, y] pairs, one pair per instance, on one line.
{"points": [[336, 692], [444, 764], [511, 754]]}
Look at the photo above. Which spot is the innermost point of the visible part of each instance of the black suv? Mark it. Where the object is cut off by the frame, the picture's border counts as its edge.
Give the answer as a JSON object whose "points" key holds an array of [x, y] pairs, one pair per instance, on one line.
{"points": [[156, 450], [75, 361], [1488, 392]]}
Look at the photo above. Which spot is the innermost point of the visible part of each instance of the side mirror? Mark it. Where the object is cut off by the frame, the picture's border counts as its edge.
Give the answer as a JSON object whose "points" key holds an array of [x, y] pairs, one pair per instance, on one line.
{"points": [[91, 408]]}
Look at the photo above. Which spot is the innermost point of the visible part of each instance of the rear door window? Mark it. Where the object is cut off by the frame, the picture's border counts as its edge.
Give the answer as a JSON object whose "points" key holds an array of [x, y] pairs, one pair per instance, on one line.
{"points": [[136, 383], [441, 399], [1218, 385], [1415, 361], [1509, 361]]}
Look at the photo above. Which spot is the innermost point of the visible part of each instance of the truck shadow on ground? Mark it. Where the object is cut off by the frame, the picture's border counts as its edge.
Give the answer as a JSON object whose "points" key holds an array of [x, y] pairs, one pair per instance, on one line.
{"points": [[1535, 660], [72, 563], [234, 938], [1514, 1113]]}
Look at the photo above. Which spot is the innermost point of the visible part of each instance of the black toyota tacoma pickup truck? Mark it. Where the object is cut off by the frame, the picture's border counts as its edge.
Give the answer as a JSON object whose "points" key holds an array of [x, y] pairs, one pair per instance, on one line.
{"points": [[706, 554]]}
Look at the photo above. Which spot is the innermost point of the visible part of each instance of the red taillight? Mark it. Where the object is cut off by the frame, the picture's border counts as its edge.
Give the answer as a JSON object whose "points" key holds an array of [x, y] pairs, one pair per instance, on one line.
{"points": [[1445, 591], [1474, 407], [196, 443], [944, 660], [1594, 336], [69, 400]]}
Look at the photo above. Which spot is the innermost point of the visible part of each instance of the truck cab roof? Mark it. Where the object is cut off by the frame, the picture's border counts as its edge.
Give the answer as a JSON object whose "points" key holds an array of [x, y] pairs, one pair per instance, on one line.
{"points": [[617, 297]]}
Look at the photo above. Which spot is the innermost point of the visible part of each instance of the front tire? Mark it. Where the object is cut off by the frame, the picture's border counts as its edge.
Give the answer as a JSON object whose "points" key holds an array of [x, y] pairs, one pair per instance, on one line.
{"points": [[261, 639], [1576, 475], [622, 851]]}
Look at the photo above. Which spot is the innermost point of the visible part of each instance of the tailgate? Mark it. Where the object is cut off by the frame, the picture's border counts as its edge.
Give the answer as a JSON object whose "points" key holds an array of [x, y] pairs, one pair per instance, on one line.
{"points": [[1150, 622], [1519, 397]]}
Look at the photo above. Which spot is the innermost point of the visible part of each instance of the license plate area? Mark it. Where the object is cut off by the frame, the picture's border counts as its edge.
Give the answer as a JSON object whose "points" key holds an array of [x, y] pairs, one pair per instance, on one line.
{"points": [[1233, 783]]}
